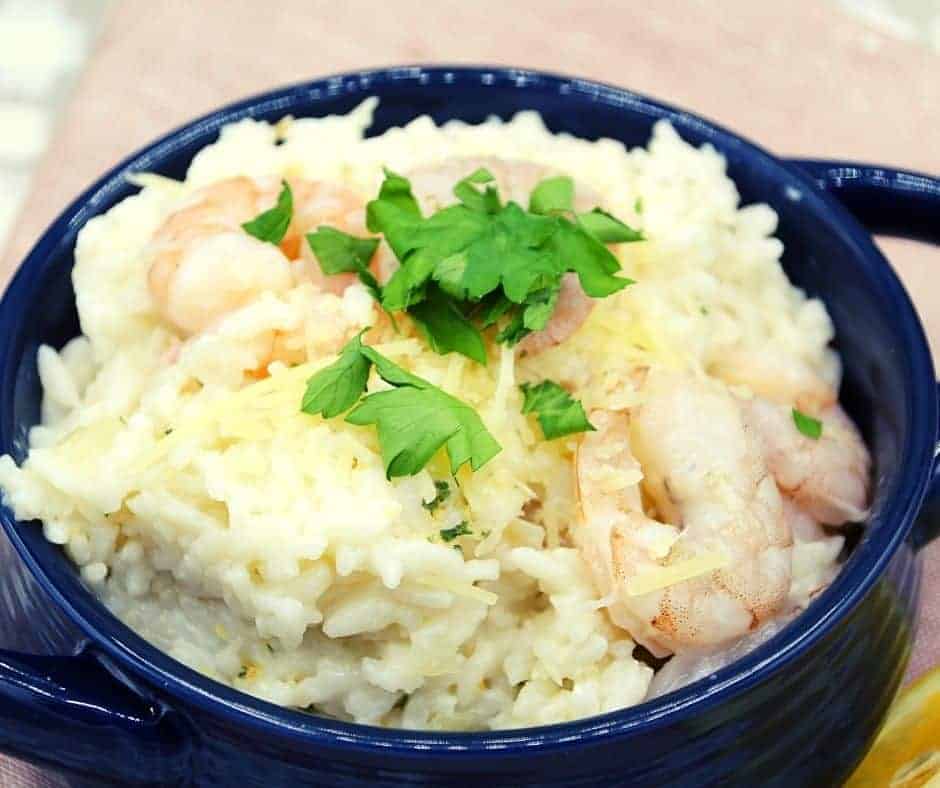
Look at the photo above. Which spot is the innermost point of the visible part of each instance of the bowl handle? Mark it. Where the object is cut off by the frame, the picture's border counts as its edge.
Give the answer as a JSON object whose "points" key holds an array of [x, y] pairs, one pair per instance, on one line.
{"points": [[927, 526], [890, 202], [886, 201], [73, 713]]}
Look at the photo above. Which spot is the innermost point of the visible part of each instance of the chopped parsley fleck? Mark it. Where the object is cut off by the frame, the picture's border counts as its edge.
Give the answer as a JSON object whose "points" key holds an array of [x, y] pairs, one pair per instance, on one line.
{"points": [[810, 427], [558, 412], [339, 253], [442, 494], [461, 529], [271, 225]]}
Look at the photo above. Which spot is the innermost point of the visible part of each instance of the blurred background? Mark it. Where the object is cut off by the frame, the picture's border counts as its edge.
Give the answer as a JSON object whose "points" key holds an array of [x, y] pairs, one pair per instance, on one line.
{"points": [[49, 49], [85, 82]]}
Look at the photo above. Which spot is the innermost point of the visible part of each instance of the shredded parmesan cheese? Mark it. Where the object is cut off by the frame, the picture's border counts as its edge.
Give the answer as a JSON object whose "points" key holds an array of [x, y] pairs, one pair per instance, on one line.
{"points": [[656, 579], [444, 583]]}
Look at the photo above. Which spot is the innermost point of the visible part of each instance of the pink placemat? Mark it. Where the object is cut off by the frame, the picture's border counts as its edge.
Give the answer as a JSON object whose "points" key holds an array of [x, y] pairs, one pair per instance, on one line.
{"points": [[801, 77]]}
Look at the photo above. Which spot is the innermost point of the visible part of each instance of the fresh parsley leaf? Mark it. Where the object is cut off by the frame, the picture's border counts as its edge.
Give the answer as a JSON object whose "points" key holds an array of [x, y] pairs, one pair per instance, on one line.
{"points": [[638, 204], [415, 419], [539, 308], [593, 262], [421, 245], [553, 195], [271, 226], [608, 229], [479, 262], [491, 251], [810, 427], [461, 529], [514, 331], [445, 327], [533, 316], [396, 190], [516, 254], [340, 253], [492, 308], [390, 372], [442, 494], [558, 412], [337, 387], [395, 213], [413, 423], [486, 201]]}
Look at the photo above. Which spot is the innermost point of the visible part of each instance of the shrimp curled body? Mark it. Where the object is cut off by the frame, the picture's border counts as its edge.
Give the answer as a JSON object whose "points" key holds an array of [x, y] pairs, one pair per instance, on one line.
{"points": [[203, 265], [828, 477], [716, 501]]}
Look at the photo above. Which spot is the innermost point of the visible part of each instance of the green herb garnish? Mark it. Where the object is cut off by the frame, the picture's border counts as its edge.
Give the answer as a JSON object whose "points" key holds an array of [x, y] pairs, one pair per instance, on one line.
{"points": [[340, 253], [442, 494], [461, 529], [414, 418], [552, 195], [558, 412], [480, 262], [445, 327], [607, 228], [271, 226], [810, 427], [336, 388]]}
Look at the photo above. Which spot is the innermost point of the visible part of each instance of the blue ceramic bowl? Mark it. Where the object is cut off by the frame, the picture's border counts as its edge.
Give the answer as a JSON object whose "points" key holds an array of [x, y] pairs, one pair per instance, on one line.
{"points": [[102, 704]]}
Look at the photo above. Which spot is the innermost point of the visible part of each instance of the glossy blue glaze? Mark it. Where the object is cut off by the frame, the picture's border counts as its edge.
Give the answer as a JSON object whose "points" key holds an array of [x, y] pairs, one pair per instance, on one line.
{"points": [[800, 710]]}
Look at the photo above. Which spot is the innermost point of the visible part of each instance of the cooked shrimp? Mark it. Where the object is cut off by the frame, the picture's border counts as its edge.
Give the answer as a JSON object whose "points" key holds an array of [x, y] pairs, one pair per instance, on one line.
{"points": [[722, 566], [684, 668], [810, 576], [789, 379], [808, 579], [204, 265], [433, 187], [802, 525], [828, 477]]}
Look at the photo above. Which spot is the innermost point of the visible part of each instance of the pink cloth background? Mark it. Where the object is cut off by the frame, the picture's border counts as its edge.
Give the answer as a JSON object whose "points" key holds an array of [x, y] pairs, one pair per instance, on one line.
{"points": [[800, 77]]}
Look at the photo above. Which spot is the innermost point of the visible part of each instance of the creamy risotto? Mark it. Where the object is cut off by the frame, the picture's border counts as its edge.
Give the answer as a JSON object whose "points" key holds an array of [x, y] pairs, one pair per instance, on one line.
{"points": [[662, 464]]}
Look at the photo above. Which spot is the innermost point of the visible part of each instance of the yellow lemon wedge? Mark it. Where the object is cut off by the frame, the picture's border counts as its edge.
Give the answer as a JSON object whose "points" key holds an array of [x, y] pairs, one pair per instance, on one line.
{"points": [[906, 753]]}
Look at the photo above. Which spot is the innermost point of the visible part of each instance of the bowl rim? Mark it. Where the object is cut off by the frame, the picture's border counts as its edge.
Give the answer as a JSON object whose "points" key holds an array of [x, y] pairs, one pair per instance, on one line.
{"points": [[170, 680]]}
